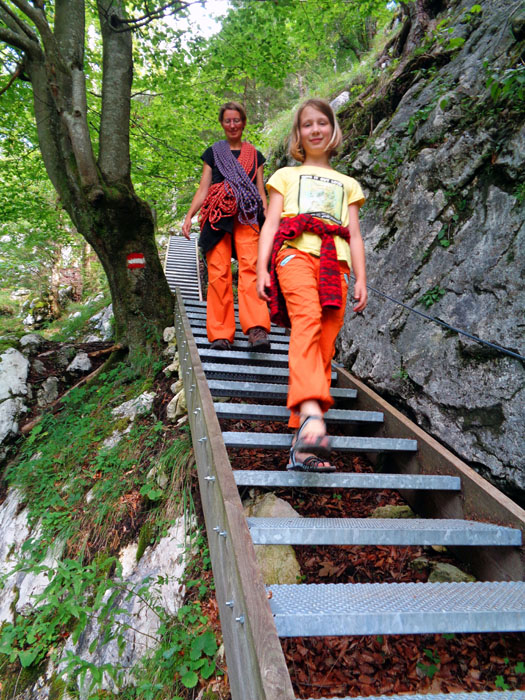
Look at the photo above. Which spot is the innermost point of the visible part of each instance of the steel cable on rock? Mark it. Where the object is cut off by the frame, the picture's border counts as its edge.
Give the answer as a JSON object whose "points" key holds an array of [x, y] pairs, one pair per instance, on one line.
{"points": [[511, 353]]}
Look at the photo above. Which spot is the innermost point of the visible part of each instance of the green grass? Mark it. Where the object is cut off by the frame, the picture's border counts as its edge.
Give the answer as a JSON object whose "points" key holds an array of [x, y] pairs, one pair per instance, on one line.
{"points": [[11, 326], [87, 502], [67, 328]]}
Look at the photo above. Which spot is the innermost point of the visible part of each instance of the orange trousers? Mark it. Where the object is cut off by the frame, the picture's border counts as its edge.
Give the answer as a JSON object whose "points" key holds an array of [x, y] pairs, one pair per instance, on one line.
{"points": [[220, 315], [313, 329]]}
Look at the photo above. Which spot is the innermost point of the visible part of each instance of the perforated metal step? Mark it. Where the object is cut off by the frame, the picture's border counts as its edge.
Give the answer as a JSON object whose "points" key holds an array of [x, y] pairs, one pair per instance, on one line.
{"points": [[480, 695], [279, 441], [398, 482], [277, 347], [247, 357], [201, 322], [181, 268], [239, 335], [255, 373], [272, 392], [380, 531], [397, 608], [251, 411]]}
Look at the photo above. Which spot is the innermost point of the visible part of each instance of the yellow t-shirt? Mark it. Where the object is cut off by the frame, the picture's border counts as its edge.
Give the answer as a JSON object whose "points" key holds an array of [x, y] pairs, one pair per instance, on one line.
{"points": [[321, 192]]}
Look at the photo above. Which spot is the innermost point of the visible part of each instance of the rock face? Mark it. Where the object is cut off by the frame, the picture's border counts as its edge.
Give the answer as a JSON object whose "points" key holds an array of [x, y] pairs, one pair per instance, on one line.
{"points": [[163, 567], [444, 234], [14, 368]]}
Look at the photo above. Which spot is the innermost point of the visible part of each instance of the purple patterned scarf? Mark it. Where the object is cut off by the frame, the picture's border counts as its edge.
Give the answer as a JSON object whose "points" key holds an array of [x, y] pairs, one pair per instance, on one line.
{"points": [[237, 181]]}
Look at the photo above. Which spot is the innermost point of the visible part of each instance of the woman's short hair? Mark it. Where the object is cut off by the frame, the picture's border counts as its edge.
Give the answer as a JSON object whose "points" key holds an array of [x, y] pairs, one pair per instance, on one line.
{"points": [[295, 148], [232, 105]]}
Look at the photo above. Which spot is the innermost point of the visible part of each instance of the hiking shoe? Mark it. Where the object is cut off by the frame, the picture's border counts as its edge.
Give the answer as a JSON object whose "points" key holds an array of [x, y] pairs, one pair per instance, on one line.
{"points": [[258, 339], [221, 344]]}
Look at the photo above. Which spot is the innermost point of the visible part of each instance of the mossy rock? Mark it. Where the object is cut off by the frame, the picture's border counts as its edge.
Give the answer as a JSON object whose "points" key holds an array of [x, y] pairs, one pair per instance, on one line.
{"points": [[444, 573], [16, 679], [395, 512]]}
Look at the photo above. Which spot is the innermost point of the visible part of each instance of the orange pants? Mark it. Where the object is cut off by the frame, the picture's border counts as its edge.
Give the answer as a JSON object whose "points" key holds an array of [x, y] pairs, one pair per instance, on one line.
{"points": [[220, 316], [313, 329]]}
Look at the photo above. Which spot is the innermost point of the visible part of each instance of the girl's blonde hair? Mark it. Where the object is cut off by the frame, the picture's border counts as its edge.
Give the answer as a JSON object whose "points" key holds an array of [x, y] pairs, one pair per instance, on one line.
{"points": [[295, 147], [235, 106]]}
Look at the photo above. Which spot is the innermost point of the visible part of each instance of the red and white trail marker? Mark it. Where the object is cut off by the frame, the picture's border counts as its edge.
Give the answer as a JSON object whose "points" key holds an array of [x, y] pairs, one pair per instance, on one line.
{"points": [[136, 260]]}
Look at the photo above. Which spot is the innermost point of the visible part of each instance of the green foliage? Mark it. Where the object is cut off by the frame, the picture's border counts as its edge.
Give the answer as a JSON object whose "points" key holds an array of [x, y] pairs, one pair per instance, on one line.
{"points": [[73, 326], [500, 683], [507, 86], [59, 463], [72, 596], [429, 669], [431, 296], [401, 374], [519, 192], [62, 460]]}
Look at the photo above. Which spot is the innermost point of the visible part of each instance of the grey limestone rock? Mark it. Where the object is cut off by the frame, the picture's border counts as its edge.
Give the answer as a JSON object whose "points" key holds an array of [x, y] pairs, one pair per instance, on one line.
{"points": [[14, 391], [139, 406], [101, 323], [444, 233], [48, 392], [80, 364], [30, 343]]}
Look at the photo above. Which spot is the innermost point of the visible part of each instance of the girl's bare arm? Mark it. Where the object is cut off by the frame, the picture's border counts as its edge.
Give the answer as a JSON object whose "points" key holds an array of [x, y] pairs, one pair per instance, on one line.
{"points": [[260, 188], [357, 251], [268, 231]]}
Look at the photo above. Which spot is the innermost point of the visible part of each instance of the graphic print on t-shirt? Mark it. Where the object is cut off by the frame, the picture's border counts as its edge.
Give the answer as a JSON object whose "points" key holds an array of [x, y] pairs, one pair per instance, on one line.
{"points": [[321, 197]]}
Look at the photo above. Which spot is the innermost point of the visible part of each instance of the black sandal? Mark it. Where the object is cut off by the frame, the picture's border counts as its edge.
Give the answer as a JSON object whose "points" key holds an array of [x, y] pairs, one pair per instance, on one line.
{"points": [[321, 446], [310, 464]]}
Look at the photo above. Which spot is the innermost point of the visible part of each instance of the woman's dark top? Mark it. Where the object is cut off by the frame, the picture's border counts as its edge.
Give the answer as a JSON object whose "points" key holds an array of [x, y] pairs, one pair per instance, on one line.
{"points": [[210, 237]]}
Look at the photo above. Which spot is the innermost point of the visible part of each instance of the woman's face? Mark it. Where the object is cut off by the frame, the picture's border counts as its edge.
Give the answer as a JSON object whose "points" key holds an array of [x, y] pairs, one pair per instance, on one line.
{"points": [[232, 124]]}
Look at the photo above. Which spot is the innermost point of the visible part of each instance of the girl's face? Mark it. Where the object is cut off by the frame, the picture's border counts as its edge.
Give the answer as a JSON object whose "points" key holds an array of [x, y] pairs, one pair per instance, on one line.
{"points": [[232, 124], [315, 131]]}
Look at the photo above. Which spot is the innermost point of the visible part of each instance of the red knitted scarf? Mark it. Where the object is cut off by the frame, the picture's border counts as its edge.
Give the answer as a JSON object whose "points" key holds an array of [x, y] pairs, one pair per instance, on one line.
{"points": [[330, 293], [220, 200]]}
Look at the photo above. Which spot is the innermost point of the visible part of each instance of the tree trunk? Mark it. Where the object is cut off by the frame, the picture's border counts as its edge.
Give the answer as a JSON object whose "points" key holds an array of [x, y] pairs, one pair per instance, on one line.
{"points": [[97, 194], [122, 226]]}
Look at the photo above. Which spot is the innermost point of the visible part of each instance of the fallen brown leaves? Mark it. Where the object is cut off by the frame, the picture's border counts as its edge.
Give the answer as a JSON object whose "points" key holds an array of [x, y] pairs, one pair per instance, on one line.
{"points": [[347, 666], [331, 667]]}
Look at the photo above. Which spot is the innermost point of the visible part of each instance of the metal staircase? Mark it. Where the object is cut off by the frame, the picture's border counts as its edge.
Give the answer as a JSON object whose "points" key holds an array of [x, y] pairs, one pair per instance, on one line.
{"points": [[181, 266], [253, 616]]}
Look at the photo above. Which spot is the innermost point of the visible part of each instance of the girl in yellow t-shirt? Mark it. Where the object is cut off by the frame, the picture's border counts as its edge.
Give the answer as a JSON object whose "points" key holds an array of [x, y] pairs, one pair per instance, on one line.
{"points": [[312, 207]]}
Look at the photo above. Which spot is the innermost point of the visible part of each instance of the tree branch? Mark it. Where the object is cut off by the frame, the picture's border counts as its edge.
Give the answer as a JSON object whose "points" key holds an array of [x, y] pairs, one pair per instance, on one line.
{"points": [[15, 23], [76, 123], [35, 14], [12, 79], [126, 25], [17, 41], [114, 160], [70, 36]]}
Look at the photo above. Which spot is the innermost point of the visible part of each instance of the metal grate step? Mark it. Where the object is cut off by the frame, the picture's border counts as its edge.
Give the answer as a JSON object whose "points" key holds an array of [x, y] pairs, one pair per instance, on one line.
{"points": [[397, 608], [201, 323], [245, 356], [277, 347], [251, 411], [216, 370], [254, 390], [347, 481], [380, 531], [277, 441], [239, 335]]}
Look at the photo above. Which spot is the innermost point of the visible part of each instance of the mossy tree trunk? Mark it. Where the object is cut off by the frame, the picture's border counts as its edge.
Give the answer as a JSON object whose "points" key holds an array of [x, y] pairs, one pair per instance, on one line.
{"points": [[97, 192]]}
